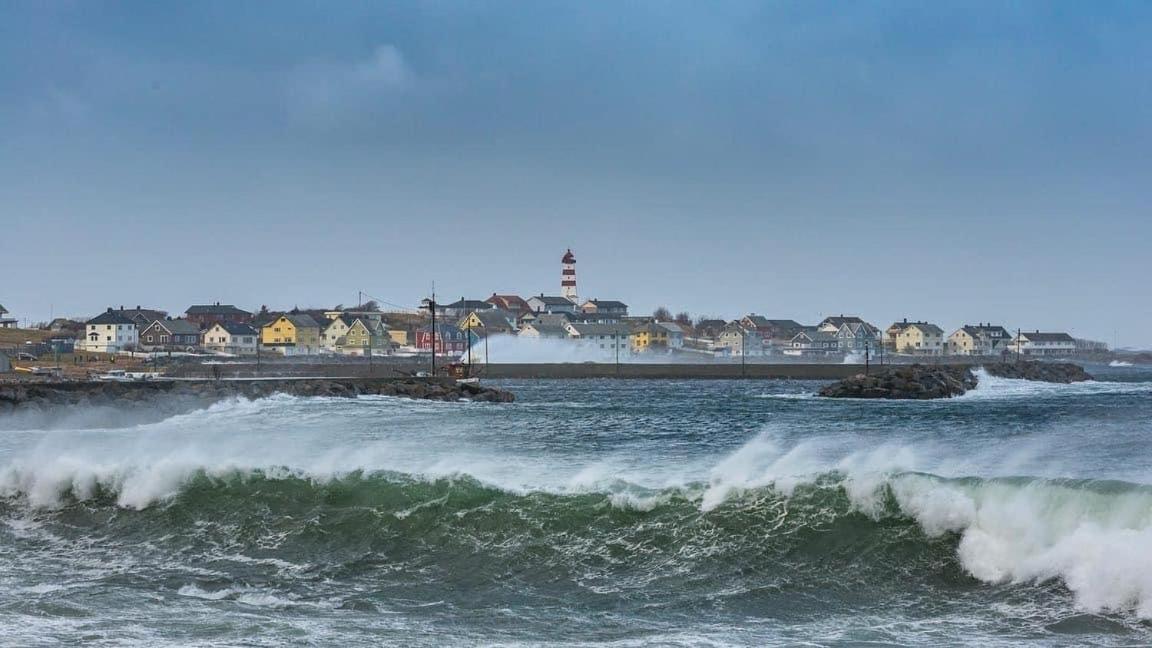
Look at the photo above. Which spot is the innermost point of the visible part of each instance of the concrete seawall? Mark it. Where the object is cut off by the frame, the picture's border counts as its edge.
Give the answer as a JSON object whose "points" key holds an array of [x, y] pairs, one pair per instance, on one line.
{"points": [[761, 371]]}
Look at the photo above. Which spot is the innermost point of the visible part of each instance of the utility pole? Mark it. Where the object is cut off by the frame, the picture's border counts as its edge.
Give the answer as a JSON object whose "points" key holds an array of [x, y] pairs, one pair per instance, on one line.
{"points": [[867, 355], [432, 309], [1018, 346], [743, 352], [469, 343]]}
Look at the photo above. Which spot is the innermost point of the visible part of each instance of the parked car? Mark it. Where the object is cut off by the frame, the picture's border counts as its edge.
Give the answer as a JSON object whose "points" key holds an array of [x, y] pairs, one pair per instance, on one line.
{"points": [[25, 356]]}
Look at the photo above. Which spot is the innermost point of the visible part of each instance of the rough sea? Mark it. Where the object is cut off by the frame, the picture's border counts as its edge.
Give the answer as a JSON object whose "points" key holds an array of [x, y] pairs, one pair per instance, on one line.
{"points": [[588, 513]]}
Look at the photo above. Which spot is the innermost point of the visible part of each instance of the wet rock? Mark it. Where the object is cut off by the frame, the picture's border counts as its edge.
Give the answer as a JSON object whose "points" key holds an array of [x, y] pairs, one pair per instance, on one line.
{"points": [[1053, 372], [912, 382]]}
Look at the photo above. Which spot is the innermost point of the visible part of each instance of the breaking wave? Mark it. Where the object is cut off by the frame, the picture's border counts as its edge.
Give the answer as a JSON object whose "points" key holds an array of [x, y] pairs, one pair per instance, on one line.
{"points": [[1093, 537]]}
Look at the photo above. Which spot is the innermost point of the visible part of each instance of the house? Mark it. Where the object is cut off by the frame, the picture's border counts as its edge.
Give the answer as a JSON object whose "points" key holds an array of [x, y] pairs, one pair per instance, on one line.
{"points": [[170, 335], [609, 308], [511, 303], [332, 335], [812, 342], [142, 316], [446, 339], [657, 336], [979, 340], [488, 322], [739, 340], [915, 338], [109, 332], [610, 339], [365, 337], [709, 329], [461, 308], [6, 322], [292, 334], [1043, 344], [774, 333], [355, 313], [65, 325], [549, 304], [855, 336], [546, 331], [205, 315], [832, 324], [230, 337]]}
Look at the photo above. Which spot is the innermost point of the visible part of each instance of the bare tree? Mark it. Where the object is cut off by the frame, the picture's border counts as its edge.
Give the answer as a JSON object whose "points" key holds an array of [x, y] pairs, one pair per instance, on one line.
{"points": [[683, 317], [662, 314]]}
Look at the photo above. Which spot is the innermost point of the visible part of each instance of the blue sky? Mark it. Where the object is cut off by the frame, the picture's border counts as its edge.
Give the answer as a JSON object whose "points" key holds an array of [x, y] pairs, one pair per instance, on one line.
{"points": [[958, 162]]}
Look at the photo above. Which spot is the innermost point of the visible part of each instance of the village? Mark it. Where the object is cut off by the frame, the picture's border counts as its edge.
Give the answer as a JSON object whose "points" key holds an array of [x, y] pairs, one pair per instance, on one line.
{"points": [[601, 330]]}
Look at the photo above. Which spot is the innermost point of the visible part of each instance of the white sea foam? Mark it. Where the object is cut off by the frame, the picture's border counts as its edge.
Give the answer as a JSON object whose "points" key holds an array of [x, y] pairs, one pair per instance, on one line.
{"points": [[1095, 538], [990, 387], [1119, 363]]}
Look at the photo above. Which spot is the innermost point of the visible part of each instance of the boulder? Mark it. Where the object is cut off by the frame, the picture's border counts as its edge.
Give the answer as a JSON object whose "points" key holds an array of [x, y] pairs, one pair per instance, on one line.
{"points": [[911, 382]]}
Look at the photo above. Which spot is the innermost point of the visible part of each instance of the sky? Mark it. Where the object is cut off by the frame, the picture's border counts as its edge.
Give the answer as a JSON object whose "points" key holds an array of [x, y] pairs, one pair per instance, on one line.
{"points": [[955, 162]]}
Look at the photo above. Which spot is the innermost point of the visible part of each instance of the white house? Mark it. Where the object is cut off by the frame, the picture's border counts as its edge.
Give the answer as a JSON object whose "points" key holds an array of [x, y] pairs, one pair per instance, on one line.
{"points": [[109, 332], [979, 340], [1043, 344], [6, 322], [337, 329], [230, 337], [813, 342], [550, 331], [612, 340]]}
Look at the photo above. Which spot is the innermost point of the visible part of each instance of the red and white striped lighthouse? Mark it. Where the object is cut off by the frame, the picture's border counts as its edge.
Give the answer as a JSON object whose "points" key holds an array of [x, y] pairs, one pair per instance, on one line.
{"points": [[568, 277]]}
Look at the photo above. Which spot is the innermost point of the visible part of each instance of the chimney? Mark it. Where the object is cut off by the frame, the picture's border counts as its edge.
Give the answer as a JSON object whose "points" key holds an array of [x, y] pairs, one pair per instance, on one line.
{"points": [[137, 306], [109, 309], [121, 306]]}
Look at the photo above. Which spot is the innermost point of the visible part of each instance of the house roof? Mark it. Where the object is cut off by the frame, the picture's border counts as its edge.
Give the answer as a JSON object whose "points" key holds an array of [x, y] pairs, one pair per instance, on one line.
{"points": [[233, 328], [546, 330], [609, 304], [177, 326], [494, 318], [3, 311], [110, 317], [509, 302], [840, 320], [553, 319], [1037, 336], [925, 327], [302, 320], [468, 305], [551, 300], [815, 335], [982, 330], [215, 309], [588, 329]]}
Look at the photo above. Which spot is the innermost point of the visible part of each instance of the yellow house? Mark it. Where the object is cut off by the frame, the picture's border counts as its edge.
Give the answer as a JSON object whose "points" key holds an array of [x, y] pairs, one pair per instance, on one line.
{"points": [[292, 334], [916, 338], [649, 336]]}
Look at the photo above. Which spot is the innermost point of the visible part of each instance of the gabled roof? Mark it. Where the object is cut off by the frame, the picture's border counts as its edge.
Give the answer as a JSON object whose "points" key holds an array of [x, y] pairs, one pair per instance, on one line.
{"points": [[925, 327], [1037, 336], [177, 326], [301, 320], [494, 318], [215, 309], [3, 311], [469, 304], [840, 320], [609, 304], [232, 328], [815, 335], [546, 330], [110, 317], [552, 300], [513, 303], [553, 319], [587, 329]]}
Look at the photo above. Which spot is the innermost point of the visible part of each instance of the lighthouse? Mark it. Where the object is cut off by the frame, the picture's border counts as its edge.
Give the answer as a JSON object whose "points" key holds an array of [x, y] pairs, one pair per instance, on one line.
{"points": [[568, 277]]}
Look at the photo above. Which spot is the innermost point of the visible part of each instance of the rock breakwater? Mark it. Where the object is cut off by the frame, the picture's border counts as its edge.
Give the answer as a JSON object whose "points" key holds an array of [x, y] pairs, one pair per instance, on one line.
{"points": [[923, 382], [24, 395]]}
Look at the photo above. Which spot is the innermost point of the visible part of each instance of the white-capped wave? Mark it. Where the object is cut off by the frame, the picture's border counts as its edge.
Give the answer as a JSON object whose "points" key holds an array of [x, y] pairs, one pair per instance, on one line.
{"points": [[989, 387]]}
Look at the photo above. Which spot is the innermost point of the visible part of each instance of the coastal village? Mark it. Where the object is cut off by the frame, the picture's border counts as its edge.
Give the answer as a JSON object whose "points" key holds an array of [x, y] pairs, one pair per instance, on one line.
{"points": [[600, 330]]}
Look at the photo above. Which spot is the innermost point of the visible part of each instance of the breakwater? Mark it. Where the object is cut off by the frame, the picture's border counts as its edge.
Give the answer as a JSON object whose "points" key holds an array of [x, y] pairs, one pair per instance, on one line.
{"points": [[44, 395], [923, 382]]}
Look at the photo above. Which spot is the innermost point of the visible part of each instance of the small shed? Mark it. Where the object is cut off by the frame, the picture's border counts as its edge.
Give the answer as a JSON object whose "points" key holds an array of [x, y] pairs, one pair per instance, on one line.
{"points": [[5, 364]]}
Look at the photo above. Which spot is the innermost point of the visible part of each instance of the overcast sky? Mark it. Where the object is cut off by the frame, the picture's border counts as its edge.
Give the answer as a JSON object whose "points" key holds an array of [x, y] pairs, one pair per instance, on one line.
{"points": [[935, 161]]}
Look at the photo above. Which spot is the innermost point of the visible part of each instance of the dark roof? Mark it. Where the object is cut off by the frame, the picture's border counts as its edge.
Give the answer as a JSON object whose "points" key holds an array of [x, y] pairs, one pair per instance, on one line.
{"points": [[840, 320], [925, 327], [110, 317], [568, 258], [583, 328], [1037, 336], [469, 304], [495, 318], [547, 330], [509, 302], [234, 328], [301, 320], [550, 300], [177, 326], [610, 304], [215, 309]]}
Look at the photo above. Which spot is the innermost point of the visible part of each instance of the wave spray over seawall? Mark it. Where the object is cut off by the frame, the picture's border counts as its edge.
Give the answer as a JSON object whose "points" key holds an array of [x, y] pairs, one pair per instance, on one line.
{"points": [[602, 512]]}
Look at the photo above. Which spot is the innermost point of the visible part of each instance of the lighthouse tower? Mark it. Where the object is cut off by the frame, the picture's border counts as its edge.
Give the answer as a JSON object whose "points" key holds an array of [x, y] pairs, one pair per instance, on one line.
{"points": [[568, 277]]}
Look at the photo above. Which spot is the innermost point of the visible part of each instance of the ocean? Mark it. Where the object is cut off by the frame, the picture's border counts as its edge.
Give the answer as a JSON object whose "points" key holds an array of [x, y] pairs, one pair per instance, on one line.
{"points": [[588, 513]]}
